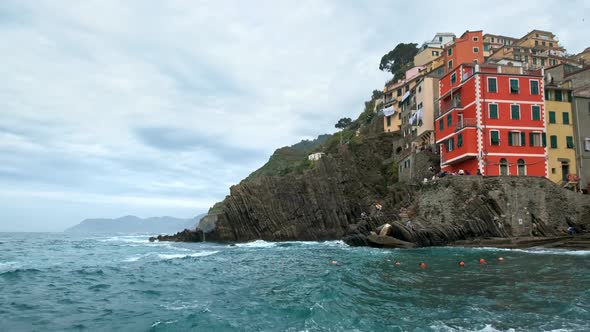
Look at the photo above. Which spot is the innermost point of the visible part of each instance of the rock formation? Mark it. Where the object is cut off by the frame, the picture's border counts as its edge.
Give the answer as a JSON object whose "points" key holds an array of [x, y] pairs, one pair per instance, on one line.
{"points": [[335, 198]]}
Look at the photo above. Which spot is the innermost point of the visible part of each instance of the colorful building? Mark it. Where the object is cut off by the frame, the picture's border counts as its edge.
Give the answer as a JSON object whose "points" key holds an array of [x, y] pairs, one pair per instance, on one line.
{"points": [[466, 49], [396, 93], [492, 119], [491, 43], [560, 132]]}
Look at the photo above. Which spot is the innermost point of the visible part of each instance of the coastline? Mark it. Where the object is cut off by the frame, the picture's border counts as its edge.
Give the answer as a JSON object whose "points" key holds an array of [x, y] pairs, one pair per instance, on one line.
{"points": [[569, 242]]}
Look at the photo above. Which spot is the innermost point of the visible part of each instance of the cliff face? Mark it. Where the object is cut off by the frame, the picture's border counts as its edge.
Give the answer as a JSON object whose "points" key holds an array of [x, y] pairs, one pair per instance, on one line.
{"points": [[318, 204], [335, 197]]}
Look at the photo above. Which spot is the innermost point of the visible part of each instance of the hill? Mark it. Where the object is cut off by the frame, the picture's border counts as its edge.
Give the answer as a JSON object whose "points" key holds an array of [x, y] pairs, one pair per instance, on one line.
{"points": [[133, 224]]}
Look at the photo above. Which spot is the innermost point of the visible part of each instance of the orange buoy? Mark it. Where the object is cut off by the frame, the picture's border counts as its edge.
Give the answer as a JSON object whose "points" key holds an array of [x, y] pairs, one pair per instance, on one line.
{"points": [[501, 259], [398, 263], [334, 263], [422, 265], [482, 261], [461, 263]]}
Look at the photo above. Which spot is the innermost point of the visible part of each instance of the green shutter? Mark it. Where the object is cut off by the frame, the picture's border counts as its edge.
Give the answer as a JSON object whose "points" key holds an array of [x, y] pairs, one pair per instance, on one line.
{"points": [[460, 140], [553, 141], [449, 120], [493, 111], [551, 117], [534, 87], [558, 95], [566, 118], [531, 139], [441, 125], [569, 96], [544, 137], [515, 110], [570, 142], [536, 110], [547, 95], [522, 139], [510, 138], [495, 137]]}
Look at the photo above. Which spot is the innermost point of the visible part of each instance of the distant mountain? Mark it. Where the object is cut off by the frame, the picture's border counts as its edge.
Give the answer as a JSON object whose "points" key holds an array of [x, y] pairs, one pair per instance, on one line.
{"points": [[133, 224]]}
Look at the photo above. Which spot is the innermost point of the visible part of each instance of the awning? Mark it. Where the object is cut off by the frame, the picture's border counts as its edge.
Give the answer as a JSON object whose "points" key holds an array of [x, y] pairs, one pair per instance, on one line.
{"points": [[389, 111]]}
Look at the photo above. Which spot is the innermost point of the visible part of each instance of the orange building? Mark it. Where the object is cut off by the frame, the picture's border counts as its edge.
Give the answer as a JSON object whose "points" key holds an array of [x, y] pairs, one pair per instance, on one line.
{"points": [[492, 119], [466, 49]]}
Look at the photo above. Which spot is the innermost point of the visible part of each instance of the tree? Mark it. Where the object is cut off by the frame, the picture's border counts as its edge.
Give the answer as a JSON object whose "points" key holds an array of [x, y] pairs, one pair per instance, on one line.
{"points": [[376, 94], [344, 123], [400, 59]]}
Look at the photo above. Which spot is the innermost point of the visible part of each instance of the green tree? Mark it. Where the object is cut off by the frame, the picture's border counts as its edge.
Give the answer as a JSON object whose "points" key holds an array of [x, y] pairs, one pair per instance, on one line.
{"points": [[400, 59], [344, 123], [377, 94]]}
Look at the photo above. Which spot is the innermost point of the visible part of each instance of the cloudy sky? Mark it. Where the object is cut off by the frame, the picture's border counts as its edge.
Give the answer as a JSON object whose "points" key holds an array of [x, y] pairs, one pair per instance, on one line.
{"points": [[109, 108]]}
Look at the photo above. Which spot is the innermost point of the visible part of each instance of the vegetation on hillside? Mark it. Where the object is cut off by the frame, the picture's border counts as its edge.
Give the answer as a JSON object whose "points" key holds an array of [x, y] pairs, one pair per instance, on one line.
{"points": [[398, 60]]}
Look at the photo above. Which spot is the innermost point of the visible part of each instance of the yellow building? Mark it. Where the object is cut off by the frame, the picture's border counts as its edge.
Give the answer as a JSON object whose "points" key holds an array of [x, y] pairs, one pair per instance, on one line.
{"points": [[537, 49], [426, 55], [560, 132], [584, 57], [394, 94]]}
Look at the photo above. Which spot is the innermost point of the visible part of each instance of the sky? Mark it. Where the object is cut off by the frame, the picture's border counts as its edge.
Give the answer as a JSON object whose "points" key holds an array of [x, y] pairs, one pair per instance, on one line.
{"points": [[151, 108]]}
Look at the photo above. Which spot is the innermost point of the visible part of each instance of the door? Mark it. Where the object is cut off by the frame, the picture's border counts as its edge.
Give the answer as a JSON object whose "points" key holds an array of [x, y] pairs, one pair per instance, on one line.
{"points": [[565, 170], [460, 123]]}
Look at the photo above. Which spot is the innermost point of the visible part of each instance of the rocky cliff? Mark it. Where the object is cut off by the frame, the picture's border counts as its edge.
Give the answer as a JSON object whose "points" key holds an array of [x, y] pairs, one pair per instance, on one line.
{"points": [[335, 198]]}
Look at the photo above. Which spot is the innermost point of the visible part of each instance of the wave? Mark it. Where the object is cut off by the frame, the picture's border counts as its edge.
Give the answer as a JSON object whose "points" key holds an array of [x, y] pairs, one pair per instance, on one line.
{"points": [[442, 327], [177, 256], [257, 244], [541, 251]]}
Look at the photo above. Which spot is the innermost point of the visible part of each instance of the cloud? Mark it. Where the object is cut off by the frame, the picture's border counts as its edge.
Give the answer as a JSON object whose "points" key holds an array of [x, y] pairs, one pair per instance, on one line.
{"points": [[182, 99]]}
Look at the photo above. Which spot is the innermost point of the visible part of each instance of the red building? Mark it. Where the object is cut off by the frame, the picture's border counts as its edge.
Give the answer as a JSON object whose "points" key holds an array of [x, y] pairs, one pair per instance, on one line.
{"points": [[492, 119], [466, 49]]}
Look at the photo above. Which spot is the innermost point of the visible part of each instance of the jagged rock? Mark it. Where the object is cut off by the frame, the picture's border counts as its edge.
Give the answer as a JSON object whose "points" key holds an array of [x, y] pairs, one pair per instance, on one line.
{"points": [[184, 236], [385, 230], [333, 199], [379, 241]]}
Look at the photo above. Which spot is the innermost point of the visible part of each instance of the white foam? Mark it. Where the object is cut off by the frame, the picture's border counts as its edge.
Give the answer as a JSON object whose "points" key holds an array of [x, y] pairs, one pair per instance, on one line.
{"points": [[442, 327], [257, 244], [176, 256], [541, 251], [9, 266]]}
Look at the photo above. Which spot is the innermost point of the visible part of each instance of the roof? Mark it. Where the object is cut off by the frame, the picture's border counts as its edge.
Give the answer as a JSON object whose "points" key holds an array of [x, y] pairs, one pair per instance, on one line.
{"points": [[582, 92], [501, 36]]}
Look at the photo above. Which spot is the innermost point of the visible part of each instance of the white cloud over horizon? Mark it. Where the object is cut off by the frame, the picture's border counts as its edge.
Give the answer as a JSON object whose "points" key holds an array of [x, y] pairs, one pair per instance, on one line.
{"points": [[110, 108]]}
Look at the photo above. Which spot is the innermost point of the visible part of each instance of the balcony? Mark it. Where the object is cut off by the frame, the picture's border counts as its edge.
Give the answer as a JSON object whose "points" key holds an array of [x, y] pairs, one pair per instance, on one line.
{"points": [[466, 123], [446, 107]]}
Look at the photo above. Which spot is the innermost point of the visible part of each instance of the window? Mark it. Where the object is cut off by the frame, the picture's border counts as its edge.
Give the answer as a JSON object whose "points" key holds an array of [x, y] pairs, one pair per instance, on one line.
{"points": [[515, 112], [521, 167], [551, 117], [566, 118], [526, 58], [547, 95], [389, 121], [450, 64], [449, 120], [435, 53], [558, 95], [440, 39], [536, 112], [493, 110], [495, 137], [441, 125], [407, 87], [450, 144], [450, 51], [569, 96], [440, 71], [550, 44], [516, 138], [535, 139], [486, 47], [536, 43], [476, 50], [569, 141], [534, 87], [492, 84], [513, 85], [543, 62], [454, 78], [503, 167], [460, 140], [534, 61], [587, 144], [543, 43], [553, 141], [475, 39], [399, 92]]}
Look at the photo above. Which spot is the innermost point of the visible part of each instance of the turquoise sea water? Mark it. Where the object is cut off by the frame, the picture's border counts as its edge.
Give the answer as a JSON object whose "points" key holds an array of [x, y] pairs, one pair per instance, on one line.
{"points": [[61, 282]]}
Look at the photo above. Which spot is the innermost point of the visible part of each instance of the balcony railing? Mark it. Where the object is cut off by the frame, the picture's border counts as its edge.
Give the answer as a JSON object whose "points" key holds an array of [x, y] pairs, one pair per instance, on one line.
{"points": [[466, 123]]}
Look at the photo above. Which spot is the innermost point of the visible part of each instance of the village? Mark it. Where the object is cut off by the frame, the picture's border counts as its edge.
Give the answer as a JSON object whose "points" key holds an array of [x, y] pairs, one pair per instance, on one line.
{"points": [[491, 105]]}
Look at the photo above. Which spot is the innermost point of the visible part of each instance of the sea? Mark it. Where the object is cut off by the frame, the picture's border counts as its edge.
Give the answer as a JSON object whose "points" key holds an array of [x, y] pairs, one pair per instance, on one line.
{"points": [[67, 282]]}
